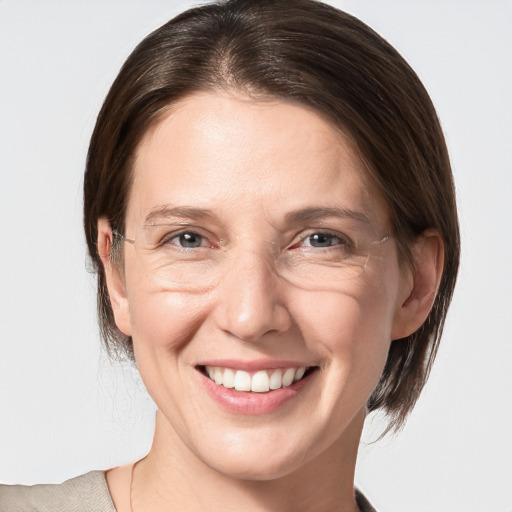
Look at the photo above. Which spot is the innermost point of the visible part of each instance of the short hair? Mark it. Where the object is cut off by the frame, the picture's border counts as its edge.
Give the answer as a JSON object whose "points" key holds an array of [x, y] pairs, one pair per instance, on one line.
{"points": [[311, 54]]}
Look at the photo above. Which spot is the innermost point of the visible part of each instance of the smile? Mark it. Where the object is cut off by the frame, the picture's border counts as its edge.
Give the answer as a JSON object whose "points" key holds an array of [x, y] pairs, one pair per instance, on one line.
{"points": [[258, 388], [261, 381]]}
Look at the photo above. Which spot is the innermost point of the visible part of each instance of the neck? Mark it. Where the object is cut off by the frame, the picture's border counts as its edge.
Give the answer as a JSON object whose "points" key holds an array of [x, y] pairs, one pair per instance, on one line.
{"points": [[171, 477]]}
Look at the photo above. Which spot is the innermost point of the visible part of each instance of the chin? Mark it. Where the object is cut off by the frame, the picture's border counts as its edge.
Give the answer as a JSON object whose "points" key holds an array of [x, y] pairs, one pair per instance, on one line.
{"points": [[263, 454], [261, 467]]}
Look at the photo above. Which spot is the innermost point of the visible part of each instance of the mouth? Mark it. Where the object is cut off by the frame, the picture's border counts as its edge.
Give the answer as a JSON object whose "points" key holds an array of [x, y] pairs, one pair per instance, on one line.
{"points": [[261, 381]]}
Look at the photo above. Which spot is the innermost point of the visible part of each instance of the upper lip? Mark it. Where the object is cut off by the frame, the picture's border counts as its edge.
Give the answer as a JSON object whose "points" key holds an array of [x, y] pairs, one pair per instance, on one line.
{"points": [[254, 365]]}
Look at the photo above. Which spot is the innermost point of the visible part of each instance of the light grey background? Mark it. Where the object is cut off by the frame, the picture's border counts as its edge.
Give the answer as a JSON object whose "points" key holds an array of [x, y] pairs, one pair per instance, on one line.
{"points": [[65, 409]]}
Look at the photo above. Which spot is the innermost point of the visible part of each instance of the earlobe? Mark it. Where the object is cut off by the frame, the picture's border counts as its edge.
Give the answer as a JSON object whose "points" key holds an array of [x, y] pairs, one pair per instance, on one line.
{"points": [[420, 294], [114, 278]]}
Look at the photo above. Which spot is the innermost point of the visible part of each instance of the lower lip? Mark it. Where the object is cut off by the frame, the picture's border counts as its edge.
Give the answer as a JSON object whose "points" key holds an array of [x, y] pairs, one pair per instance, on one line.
{"points": [[247, 402]]}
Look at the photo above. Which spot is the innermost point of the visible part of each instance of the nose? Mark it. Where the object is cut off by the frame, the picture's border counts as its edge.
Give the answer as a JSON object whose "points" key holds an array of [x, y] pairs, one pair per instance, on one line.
{"points": [[250, 300]]}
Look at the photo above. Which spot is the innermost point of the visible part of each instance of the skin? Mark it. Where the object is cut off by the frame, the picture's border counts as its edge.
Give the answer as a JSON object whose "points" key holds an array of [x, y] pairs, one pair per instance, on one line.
{"points": [[250, 163]]}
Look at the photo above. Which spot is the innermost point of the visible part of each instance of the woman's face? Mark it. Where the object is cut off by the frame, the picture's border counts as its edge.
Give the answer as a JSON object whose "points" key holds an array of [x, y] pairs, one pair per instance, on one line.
{"points": [[240, 210]]}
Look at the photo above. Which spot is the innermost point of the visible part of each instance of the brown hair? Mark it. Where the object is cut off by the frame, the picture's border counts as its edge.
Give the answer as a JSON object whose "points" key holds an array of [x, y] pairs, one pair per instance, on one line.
{"points": [[307, 52]]}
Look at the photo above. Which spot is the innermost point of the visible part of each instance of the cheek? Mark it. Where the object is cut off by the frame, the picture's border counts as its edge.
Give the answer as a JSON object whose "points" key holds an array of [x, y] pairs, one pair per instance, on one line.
{"points": [[164, 321], [163, 324], [352, 329], [345, 320]]}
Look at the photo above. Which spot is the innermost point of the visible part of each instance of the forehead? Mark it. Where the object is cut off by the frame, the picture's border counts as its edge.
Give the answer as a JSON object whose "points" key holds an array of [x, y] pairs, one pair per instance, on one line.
{"points": [[223, 152]]}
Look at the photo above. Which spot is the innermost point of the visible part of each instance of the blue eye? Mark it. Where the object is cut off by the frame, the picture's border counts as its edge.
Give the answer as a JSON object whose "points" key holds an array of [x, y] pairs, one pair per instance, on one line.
{"points": [[322, 240], [188, 240]]}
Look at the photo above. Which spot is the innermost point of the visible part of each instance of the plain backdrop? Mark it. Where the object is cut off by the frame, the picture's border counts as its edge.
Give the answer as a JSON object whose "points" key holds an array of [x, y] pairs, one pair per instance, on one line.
{"points": [[65, 409]]}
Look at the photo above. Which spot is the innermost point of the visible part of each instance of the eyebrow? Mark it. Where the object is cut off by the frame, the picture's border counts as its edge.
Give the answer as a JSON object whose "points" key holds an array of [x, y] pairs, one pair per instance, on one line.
{"points": [[293, 217], [167, 211], [314, 213]]}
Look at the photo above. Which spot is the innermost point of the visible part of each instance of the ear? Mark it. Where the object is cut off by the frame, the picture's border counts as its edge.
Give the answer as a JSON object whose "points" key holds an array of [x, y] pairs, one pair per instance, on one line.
{"points": [[420, 285], [114, 277]]}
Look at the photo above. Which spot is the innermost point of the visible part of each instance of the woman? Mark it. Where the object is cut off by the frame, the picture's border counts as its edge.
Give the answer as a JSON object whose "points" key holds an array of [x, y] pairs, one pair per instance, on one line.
{"points": [[270, 210]]}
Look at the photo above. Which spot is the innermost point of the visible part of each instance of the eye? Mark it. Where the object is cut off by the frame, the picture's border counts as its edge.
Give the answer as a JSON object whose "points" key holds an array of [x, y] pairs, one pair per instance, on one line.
{"points": [[188, 240], [323, 240]]}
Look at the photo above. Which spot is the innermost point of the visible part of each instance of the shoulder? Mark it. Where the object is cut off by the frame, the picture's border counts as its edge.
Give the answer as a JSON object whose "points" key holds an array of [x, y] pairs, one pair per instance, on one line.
{"points": [[85, 493]]}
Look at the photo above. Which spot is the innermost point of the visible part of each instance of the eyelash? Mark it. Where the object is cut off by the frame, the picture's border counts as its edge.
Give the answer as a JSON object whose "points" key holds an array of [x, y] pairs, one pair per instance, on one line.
{"points": [[168, 239], [342, 240]]}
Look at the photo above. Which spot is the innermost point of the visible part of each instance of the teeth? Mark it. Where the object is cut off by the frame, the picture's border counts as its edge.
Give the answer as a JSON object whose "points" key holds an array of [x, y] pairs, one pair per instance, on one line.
{"points": [[288, 377], [242, 381], [276, 379], [300, 373], [229, 378], [260, 382], [218, 376]]}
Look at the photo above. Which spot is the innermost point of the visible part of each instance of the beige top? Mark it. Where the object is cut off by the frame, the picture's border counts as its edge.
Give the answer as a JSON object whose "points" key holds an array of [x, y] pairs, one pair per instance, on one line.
{"points": [[86, 493]]}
